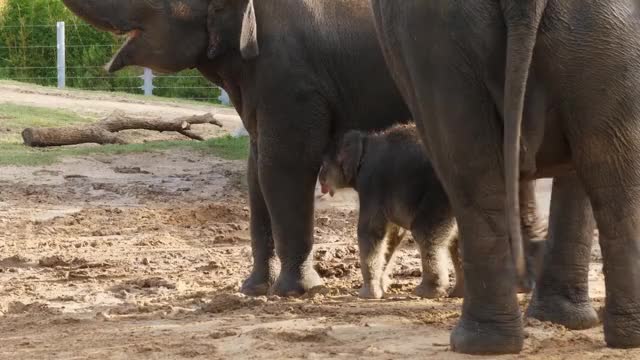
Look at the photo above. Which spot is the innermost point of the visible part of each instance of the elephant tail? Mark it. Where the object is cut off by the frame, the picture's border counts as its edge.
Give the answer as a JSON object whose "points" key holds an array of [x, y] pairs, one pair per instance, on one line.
{"points": [[523, 18]]}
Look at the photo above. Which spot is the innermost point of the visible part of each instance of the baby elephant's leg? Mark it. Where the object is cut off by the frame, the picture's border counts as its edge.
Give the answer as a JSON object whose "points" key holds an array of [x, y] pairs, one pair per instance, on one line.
{"points": [[371, 240], [434, 253], [456, 259], [394, 238], [534, 234]]}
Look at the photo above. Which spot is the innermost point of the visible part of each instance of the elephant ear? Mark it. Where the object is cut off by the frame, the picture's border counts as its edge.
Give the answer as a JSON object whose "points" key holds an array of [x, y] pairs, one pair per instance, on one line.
{"points": [[350, 154], [249, 34]]}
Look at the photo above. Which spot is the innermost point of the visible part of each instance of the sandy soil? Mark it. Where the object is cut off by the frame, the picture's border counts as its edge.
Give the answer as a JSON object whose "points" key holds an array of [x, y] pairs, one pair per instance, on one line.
{"points": [[140, 257]]}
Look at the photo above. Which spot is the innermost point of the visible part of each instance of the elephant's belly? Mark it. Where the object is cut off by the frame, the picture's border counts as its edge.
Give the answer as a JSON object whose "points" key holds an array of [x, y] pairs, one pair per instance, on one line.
{"points": [[543, 134], [401, 212], [554, 156]]}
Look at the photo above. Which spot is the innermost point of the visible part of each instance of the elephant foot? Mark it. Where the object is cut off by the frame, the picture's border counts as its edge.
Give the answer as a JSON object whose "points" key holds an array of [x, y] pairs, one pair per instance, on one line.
{"points": [[622, 330], [385, 282], [559, 310], [370, 291], [457, 291], [482, 338], [430, 291], [258, 283], [291, 284]]}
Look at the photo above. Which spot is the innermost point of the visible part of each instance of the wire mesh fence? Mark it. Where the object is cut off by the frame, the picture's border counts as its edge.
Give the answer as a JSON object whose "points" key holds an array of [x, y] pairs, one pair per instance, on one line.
{"points": [[30, 53]]}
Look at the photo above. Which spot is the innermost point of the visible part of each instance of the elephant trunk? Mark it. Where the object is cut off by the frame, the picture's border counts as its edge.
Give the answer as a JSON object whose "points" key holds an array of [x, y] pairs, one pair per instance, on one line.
{"points": [[523, 18], [115, 16]]}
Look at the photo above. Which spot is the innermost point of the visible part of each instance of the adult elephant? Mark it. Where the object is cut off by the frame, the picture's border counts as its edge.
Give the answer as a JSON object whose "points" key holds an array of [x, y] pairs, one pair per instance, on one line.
{"points": [[299, 73], [572, 104]]}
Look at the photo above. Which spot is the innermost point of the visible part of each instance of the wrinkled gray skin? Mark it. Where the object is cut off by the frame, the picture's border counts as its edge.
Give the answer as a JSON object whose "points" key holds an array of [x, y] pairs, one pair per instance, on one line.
{"points": [[398, 187], [299, 73], [579, 122]]}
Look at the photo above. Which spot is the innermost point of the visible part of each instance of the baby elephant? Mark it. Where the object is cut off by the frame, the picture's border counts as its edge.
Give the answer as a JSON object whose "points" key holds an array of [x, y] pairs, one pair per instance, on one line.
{"points": [[398, 188]]}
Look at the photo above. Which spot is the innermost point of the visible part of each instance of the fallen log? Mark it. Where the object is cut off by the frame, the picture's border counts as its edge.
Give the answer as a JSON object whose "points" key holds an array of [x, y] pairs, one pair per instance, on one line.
{"points": [[105, 131], [42, 137]]}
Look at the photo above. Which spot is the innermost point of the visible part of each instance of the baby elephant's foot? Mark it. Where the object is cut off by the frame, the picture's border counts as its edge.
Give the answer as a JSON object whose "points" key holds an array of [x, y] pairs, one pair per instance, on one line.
{"points": [[371, 291], [385, 282], [430, 291]]}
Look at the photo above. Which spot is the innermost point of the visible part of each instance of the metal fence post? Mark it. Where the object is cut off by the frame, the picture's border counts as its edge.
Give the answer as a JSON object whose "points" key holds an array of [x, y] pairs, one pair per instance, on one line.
{"points": [[147, 86], [61, 50], [224, 97]]}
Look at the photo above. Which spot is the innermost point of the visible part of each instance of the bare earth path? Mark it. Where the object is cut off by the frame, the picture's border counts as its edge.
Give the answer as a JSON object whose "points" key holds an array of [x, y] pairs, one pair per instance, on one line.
{"points": [[140, 256], [100, 104]]}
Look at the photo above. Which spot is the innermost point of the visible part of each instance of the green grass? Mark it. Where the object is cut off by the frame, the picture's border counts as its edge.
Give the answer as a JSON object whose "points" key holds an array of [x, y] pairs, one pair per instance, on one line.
{"points": [[227, 147], [19, 155], [16, 117]]}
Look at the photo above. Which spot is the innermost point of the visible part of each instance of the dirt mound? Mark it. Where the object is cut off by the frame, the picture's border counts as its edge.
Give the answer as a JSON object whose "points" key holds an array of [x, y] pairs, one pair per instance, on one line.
{"points": [[218, 213], [14, 261], [17, 307], [230, 302]]}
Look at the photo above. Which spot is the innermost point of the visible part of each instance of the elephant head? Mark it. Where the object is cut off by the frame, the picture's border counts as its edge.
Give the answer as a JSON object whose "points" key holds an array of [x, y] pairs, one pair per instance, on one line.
{"points": [[341, 171], [164, 35], [232, 26], [169, 35]]}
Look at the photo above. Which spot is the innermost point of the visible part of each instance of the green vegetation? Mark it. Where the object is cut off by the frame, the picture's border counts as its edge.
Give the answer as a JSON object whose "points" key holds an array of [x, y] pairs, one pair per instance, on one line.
{"points": [[14, 118], [28, 54], [18, 116], [12, 154]]}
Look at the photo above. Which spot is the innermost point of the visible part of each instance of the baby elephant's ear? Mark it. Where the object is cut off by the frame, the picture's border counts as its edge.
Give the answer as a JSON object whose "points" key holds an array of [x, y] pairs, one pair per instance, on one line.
{"points": [[350, 154]]}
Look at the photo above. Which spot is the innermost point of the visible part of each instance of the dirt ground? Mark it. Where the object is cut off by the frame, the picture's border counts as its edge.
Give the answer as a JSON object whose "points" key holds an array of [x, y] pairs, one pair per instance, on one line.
{"points": [[140, 257]]}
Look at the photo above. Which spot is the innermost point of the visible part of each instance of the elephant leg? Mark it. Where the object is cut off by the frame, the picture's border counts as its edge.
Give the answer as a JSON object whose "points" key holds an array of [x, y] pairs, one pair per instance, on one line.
{"points": [[291, 142], [435, 273], [463, 138], [291, 209], [611, 180], [491, 321], [372, 242], [461, 128], [534, 229], [432, 234], [456, 260], [394, 236], [264, 257], [534, 234], [562, 293]]}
